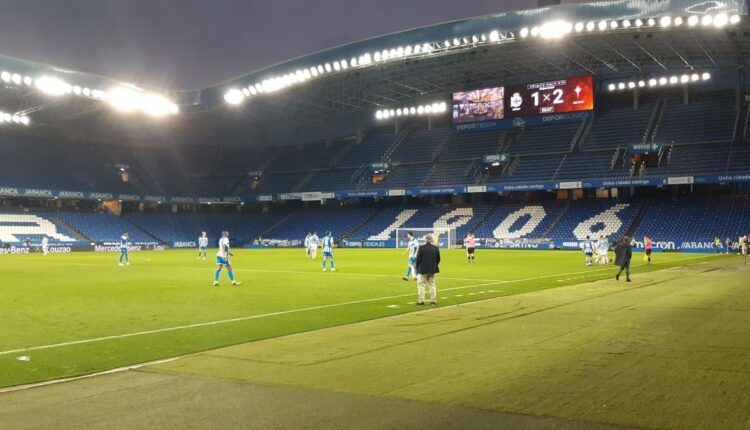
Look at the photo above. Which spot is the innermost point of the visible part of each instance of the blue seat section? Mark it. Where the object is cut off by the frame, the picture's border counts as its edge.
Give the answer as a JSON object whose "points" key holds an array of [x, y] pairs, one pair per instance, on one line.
{"points": [[339, 220], [612, 220], [370, 150], [404, 175], [451, 173], [187, 227], [739, 160], [281, 182], [17, 227], [694, 159], [473, 145], [425, 217], [594, 165], [696, 220], [419, 145], [104, 228], [545, 138], [541, 168], [617, 127], [331, 180], [307, 157], [486, 229], [708, 118]]}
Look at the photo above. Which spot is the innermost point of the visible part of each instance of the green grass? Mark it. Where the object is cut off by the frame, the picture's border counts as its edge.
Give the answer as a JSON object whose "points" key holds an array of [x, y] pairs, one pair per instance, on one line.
{"points": [[56, 309]]}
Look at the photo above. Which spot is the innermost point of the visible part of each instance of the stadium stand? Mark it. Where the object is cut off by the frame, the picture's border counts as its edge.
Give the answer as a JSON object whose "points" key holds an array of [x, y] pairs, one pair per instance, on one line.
{"points": [[187, 227], [619, 126], [16, 228], [707, 118], [339, 220], [104, 227], [545, 139], [582, 219]]}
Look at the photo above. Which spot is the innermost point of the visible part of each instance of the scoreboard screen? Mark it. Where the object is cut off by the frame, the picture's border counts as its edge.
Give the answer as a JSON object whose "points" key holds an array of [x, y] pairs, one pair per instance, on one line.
{"points": [[542, 98], [479, 105]]}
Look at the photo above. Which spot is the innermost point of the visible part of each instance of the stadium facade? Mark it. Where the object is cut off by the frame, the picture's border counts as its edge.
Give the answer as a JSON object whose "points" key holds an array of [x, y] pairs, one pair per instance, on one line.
{"points": [[532, 128]]}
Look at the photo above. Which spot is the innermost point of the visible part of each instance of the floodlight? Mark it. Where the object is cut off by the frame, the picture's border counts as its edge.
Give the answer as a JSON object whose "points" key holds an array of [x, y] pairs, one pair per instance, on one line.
{"points": [[27, 80], [412, 110], [612, 87], [662, 81], [534, 31], [579, 27], [76, 90], [336, 66], [590, 26], [483, 37], [328, 67], [734, 19], [246, 92], [694, 77], [684, 79], [707, 20], [673, 80], [52, 86], [693, 20], [407, 51], [428, 109], [631, 85], [641, 84], [602, 25], [86, 92], [651, 82], [613, 24], [379, 115], [621, 86], [678, 21], [420, 109], [524, 32], [16, 119], [638, 23], [233, 97], [16, 78], [321, 69], [417, 49], [443, 106], [157, 105], [25, 120], [706, 76], [626, 23], [665, 21], [456, 42], [651, 22], [721, 19], [377, 57]]}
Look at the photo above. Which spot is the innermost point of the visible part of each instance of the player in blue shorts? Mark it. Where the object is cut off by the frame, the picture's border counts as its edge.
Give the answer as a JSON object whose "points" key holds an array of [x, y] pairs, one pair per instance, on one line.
{"points": [[222, 259], [411, 247], [328, 250], [124, 248], [588, 250]]}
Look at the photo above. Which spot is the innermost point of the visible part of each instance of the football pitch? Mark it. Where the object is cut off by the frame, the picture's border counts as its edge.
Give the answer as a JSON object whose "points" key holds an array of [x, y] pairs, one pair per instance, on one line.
{"points": [[79, 314]]}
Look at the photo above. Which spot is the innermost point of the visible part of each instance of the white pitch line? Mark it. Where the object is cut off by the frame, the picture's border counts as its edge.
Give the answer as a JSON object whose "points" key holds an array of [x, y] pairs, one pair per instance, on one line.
{"points": [[272, 314]]}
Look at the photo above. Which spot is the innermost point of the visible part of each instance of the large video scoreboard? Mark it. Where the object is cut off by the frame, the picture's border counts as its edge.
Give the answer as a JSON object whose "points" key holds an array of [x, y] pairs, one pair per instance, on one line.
{"points": [[538, 98]]}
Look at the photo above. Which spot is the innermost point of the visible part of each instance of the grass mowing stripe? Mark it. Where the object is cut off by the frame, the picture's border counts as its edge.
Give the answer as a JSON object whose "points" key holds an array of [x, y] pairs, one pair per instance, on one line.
{"points": [[290, 311]]}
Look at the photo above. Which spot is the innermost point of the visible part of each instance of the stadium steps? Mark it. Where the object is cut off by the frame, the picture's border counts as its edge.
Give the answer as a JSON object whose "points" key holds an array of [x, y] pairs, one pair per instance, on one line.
{"points": [[429, 175], [304, 181], [554, 222], [359, 225], [80, 236], [637, 220], [282, 221], [655, 122], [581, 134]]}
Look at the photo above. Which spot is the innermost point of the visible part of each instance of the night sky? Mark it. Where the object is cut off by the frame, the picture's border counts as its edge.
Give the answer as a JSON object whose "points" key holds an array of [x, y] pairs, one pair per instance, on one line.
{"points": [[189, 44]]}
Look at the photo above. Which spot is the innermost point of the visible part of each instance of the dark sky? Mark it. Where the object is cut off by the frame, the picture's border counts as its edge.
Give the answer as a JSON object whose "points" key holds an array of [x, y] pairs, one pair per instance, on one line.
{"points": [[189, 44]]}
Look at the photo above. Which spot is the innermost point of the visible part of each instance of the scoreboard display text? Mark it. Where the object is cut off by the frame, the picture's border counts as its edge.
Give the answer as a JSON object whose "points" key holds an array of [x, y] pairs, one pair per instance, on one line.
{"points": [[539, 98]]}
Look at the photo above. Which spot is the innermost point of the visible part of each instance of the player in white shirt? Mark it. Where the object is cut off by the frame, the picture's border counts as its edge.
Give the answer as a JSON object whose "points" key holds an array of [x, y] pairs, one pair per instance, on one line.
{"points": [[202, 246], [411, 247], [222, 259], [124, 249], [328, 250], [602, 249], [45, 245], [314, 242], [307, 244]]}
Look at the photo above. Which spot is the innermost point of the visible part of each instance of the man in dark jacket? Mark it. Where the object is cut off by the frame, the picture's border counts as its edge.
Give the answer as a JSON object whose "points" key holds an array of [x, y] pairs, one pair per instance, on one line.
{"points": [[623, 254], [428, 261]]}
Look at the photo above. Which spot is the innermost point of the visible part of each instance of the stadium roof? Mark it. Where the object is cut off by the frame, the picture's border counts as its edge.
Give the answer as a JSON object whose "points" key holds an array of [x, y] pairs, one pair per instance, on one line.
{"points": [[610, 39]]}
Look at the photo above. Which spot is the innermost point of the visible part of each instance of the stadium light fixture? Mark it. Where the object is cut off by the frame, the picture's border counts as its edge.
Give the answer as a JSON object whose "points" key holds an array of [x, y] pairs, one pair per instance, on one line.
{"points": [[524, 32], [693, 20], [721, 19], [678, 21], [53, 86], [626, 23], [638, 23], [579, 27], [706, 76], [14, 118], [734, 19], [611, 87], [683, 79], [707, 20], [16, 78], [534, 31], [602, 25], [641, 84], [426, 109], [613, 25], [5, 76], [590, 26], [651, 22], [665, 21]]}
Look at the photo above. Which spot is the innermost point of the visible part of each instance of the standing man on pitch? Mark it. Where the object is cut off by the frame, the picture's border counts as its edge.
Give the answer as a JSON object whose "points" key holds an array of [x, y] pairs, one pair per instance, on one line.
{"points": [[45, 245], [328, 250], [588, 250], [124, 248], [314, 241], [648, 246], [623, 254], [428, 262], [471, 244], [411, 247], [222, 259], [202, 245]]}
